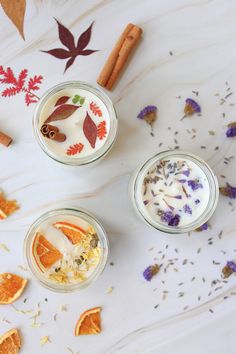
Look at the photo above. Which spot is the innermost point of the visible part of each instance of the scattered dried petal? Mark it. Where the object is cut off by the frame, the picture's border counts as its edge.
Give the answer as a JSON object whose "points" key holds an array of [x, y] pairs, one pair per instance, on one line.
{"points": [[150, 271], [228, 191]]}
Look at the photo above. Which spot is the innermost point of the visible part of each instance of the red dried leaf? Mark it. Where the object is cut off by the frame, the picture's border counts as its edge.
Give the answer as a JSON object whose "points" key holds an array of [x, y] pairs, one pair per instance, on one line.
{"points": [[101, 130], [10, 91], [69, 63], [29, 98], [62, 100], [32, 84], [74, 149], [84, 38], [66, 37], [58, 53], [22, 77], [62, 112], [95, 109], [87, 52], [90, 130]]}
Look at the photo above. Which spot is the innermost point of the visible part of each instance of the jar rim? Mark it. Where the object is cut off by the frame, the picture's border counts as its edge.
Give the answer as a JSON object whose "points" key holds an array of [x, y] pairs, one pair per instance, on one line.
{"points": [[111, 137], [88, 217], [137, 179]]}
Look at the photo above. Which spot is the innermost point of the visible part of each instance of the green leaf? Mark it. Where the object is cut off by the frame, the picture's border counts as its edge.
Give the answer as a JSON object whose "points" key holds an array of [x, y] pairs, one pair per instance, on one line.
{"points": [[76, 99]]}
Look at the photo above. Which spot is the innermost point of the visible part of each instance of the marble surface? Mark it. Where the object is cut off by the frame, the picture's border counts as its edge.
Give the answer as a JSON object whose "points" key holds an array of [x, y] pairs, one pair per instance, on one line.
{"points": [[201, 36]]}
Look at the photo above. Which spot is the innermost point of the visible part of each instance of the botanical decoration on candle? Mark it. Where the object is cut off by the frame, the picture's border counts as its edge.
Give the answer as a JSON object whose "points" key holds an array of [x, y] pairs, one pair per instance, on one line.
{"points": [[231, 131], [73, 50], [101, 130], [95, 109], [89, 322], [191, 107], [174, 191], [150, 271], [149, 115], [7, 207], [228, 191], [90, 130], [19, 85], [74, 149], [229, 269], [62, 112], [15, 10]]}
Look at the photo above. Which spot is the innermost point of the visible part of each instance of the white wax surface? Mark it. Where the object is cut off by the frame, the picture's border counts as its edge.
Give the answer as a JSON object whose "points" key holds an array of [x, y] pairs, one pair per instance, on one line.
{"points": [[72, 127], [168, 195]]}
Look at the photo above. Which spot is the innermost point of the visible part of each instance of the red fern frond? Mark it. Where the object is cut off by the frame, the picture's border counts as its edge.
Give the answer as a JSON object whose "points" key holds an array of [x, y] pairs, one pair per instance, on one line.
{"points": [[101, 130], [10, 91], [75, 149], [8, 76], [95, 109], [32, 84], [22, 77], [30, 99]]}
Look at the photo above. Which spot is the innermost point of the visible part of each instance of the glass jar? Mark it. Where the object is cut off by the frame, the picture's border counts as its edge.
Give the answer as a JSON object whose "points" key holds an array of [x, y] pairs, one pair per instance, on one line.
{"points": [[50, 100], [43, 222], [171, 224]]}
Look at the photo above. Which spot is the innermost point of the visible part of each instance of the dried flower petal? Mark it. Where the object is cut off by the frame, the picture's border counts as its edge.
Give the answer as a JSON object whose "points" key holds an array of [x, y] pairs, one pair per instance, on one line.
{"points": [[194, 184], [228, 191], [187, 209], [170, 218], [149, 114], [203, 227], [229, 269], [231, 131], [150, 271], [191, 107]]}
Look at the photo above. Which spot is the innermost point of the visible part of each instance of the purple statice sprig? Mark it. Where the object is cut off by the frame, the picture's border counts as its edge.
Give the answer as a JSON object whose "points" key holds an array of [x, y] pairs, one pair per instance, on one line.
{"points": [[170, 218], [191, 107], [228, 191], [203, 227], [150, 271], [186, 172], [194, 184], [149, 114], [231, 131], [187, 209], [229, 269]]}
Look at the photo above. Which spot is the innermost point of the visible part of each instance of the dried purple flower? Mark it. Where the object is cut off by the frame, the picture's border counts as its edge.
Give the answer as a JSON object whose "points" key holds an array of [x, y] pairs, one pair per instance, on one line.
{"points": [[197, 201], [145, 202], [175, 220], [149, 114], [231, 131], [232, 265], [194, 184], [228, 191], [170, 218], [150, 271], [203, 227], [191, 107], [187, 209], [229, 269], [186, 173]]}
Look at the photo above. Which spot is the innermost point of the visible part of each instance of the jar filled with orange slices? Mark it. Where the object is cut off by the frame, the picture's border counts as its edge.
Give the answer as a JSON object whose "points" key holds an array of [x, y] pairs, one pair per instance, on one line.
{"points": [[66, 249]]}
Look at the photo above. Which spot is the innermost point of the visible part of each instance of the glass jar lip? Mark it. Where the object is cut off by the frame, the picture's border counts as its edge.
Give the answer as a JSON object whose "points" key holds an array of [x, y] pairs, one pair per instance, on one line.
{"points": [[137, 178], [100, 153], [93, 221]]}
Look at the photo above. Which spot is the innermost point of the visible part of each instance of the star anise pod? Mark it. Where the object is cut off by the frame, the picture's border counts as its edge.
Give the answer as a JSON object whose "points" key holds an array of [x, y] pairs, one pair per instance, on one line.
{"points": [[72, 51]]}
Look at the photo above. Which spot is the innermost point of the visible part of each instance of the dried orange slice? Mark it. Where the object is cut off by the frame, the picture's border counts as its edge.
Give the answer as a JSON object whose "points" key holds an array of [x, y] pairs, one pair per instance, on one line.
{"points": [[10, 342], [74, 233], [45, 254], [11, 287], [89, 322], [7, 207]]}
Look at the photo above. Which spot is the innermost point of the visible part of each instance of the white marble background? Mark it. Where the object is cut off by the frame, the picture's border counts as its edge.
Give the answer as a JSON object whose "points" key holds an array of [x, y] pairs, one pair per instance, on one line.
{"points": [[202, 37]]}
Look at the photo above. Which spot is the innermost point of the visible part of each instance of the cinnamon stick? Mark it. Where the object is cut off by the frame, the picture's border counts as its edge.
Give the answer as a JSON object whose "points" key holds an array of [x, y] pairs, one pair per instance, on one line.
{"points": [[119, 56], [5, 139], [52, 132]]}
